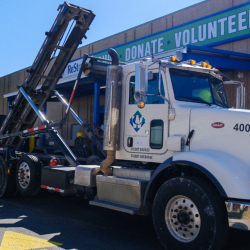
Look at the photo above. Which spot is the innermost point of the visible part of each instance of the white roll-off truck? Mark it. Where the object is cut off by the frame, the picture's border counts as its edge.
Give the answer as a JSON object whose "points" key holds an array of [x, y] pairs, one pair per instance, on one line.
{"points": [[173, 148]]}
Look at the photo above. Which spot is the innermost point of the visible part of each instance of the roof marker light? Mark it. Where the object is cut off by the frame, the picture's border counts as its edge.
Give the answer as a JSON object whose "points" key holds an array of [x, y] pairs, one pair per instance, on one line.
{"points": [[203, 64], [173, 58], [209, 66], [192, 62]]}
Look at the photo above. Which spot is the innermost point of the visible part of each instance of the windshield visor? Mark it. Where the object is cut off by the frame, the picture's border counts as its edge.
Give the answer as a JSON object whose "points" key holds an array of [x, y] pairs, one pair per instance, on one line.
{"points": [[192, 86]]}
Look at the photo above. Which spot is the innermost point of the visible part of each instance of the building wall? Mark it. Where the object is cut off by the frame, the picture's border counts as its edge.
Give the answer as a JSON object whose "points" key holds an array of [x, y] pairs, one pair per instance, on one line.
{"points": [[177, 18], [84, 106], [231, 89]]}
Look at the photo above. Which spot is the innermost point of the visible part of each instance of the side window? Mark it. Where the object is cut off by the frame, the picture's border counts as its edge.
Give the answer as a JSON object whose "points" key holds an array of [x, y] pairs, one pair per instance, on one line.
{"points": [[152, 89], [156, 134]]}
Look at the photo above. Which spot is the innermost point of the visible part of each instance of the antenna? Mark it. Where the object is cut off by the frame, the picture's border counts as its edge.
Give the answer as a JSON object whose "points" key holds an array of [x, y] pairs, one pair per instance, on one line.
{"points": [[152, 54]]}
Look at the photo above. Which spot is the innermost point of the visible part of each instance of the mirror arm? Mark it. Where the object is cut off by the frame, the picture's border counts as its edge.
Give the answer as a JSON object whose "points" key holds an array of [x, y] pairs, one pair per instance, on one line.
{"points": [[164, 98], [159, 83], [158, 94]]}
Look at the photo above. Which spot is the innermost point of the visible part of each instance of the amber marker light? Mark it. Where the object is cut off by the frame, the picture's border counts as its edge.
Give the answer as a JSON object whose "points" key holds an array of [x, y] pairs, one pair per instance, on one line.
{"points": [[192, 62], [209, 66], [203, 64], [8, 171], [141, 104], [173, 58]]}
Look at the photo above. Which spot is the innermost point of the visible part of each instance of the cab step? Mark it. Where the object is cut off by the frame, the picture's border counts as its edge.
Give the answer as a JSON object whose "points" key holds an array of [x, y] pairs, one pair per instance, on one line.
{"points": [[117, 207], [124, 191]]}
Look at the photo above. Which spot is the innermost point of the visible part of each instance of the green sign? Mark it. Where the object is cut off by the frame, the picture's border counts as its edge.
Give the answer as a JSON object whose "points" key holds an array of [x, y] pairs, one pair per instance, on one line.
{"points": [[222, 27]]}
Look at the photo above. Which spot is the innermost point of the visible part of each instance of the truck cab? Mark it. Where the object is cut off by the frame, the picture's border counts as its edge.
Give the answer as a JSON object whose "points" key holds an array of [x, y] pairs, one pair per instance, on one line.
{"points": [[149, 133]]}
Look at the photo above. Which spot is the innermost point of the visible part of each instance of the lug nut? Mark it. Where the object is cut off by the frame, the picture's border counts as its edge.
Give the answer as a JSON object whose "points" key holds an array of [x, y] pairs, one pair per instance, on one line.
{"points": [[180, 207], [191, 220], [176, 223], [176, 210], [174, 216], [180, 228], [185, 229], [185, 208], [189, 226]]}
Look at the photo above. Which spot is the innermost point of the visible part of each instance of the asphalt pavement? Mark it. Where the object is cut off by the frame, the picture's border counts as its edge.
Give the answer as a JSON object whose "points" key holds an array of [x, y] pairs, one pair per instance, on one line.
{"points": [[51, 221]]}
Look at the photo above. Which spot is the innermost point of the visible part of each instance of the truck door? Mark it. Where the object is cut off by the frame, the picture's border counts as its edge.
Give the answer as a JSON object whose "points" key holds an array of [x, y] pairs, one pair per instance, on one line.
{"points": [[146, 129]]}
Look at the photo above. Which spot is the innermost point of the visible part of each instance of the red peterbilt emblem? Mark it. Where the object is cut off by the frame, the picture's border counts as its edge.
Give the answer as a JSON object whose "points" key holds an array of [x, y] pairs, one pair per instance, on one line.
{"points": [[218, 125]]}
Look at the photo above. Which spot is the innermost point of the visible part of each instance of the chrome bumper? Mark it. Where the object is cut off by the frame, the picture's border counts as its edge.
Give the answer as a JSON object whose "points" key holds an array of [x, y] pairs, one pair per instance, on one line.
{"points": [[238, 214]]}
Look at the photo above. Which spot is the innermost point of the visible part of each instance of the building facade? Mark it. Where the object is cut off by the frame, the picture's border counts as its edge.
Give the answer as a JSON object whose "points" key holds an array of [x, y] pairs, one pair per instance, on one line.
{"points": [[213, 30]]}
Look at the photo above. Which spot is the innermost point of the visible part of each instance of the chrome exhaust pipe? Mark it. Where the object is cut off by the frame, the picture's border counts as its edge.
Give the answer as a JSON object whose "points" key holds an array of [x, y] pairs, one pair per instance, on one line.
{"points": [[111, 139]]}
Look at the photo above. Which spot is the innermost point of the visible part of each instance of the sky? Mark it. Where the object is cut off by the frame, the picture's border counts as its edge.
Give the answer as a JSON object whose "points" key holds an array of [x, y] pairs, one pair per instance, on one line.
{"points": [[23, 23]]}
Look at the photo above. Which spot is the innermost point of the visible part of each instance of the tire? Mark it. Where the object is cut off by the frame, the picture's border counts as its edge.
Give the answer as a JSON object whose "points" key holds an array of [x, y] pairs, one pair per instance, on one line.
{"points": [[8, 186], [188, 213], [28, 175]]}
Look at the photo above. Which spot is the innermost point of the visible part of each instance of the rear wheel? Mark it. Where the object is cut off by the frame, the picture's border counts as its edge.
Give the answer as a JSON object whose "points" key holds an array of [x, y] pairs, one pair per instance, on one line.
{"points": [[188, 213], [28, 175], [8, 186]]}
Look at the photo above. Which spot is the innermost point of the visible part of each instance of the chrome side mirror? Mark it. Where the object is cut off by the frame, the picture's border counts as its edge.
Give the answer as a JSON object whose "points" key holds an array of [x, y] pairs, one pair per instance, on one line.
{"points": [[141, 78], [141, 83], [240, 94]]}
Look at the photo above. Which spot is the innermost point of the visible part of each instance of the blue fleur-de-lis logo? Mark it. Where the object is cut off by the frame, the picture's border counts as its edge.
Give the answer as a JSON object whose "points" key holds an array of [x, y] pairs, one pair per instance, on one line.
{"points": [[137, 121]]}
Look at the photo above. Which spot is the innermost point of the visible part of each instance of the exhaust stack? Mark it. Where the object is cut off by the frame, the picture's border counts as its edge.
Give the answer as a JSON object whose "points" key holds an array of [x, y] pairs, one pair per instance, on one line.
{"points": [[111, 140]]}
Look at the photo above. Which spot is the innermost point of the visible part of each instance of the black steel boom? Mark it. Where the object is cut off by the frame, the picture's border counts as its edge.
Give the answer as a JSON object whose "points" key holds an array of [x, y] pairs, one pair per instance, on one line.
{"points": [[46, 70]]}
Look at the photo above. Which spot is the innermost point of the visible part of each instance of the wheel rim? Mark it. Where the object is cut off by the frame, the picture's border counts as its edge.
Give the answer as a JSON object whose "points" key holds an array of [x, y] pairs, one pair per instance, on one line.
{"points": [[24, 175], [182, 218]]}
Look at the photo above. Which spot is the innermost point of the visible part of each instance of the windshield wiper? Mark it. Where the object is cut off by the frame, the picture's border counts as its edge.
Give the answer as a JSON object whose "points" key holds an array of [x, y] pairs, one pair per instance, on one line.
{"points": [[195, 99]]}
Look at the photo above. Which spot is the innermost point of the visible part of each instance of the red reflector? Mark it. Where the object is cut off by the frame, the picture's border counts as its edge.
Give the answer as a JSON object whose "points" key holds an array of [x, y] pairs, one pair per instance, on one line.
{"points": [[54, 162]]}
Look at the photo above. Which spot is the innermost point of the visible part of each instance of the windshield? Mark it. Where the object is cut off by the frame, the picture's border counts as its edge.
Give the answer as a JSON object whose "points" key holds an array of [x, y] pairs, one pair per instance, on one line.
{"points": [[192, 86]]}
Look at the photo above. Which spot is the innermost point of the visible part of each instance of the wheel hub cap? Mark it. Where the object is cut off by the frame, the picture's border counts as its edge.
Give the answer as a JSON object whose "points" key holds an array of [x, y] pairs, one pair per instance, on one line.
{"points": [[24, 175], [182, 218]]}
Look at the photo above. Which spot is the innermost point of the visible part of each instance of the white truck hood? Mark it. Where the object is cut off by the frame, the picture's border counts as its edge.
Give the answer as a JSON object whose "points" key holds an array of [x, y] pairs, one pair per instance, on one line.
{"points": [[226, 130]]}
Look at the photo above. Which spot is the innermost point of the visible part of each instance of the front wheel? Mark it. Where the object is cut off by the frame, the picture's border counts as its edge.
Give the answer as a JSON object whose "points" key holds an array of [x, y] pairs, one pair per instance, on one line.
{"points": [[189, 214]]}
